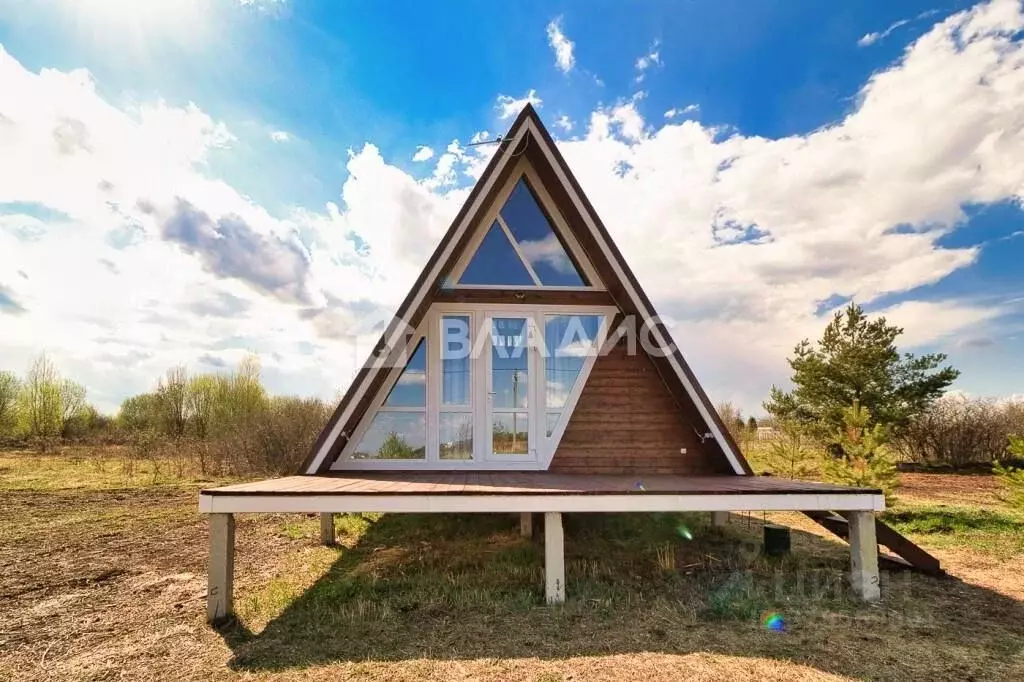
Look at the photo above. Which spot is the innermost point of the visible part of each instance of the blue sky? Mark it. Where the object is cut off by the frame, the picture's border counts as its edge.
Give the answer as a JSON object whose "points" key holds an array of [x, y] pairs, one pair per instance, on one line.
{"points": [[789, 156]]}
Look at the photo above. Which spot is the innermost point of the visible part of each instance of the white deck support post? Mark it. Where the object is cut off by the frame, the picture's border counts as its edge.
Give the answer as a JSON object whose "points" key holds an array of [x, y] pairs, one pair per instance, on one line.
{"points": [[327, 529], [526, 524], [719, 518], [220, 590], [554, 558], [863, 555]]}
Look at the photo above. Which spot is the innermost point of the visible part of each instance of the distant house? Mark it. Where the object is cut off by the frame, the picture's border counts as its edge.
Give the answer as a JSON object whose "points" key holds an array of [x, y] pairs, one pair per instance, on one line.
{"points": [[767, 433], [527, 371]]}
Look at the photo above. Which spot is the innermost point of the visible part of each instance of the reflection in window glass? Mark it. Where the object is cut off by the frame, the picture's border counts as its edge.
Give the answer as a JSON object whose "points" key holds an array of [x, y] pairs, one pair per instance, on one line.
{"points": [[552, 420], [568, 341], [510, 433], [496, 262], [394, 435], [537, 239], [455, 360], [411, 388], [509, 362], [456, 431]]}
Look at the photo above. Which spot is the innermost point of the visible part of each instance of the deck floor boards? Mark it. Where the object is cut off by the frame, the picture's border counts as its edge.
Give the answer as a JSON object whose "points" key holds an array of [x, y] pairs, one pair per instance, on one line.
{"points": [[522, 483]]}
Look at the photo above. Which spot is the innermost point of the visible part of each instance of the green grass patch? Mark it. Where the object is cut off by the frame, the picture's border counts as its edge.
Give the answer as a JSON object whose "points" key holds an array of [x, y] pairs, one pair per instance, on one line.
{"points": [[991, 531]]}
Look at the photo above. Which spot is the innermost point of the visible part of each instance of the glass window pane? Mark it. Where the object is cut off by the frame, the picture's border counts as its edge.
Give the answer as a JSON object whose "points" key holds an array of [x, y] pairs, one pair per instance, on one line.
{"points": [[496, 262], [455, 361], [509, 362], [510, 433], [568, 341], [552, 422], [411, 388], [537, 239], [394, 435], [456, 430]]}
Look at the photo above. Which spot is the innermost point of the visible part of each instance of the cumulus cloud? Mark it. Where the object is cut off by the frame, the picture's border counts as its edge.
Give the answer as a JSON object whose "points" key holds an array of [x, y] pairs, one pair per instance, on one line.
{"points": [[741, 241], [564, 122], [229, 247], [508, 106], [562, 46], [423, 153], [280, 136]]}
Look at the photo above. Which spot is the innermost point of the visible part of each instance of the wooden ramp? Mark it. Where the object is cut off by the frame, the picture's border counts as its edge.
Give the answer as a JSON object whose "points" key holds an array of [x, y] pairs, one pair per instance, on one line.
{"points": [[906, 555]]}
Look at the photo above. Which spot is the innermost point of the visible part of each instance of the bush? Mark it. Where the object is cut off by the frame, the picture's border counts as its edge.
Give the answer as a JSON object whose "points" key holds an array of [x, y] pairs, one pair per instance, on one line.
{"points": [[1012, 478], [958, 431], [275, 440], [791, 455]]}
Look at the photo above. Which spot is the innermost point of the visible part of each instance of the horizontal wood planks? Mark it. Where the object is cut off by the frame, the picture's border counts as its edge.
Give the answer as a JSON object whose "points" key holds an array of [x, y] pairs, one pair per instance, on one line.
{"points": [[627, 422], [523, 483]]}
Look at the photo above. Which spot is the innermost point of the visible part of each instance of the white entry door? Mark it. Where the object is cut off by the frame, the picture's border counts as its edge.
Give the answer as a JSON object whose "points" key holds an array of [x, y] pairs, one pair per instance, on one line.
{"points": [[509, 419]]}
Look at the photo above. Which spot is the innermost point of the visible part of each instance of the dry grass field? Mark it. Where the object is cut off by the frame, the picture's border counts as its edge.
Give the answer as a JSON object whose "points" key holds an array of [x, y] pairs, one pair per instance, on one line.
{"points": [[103, 577]]}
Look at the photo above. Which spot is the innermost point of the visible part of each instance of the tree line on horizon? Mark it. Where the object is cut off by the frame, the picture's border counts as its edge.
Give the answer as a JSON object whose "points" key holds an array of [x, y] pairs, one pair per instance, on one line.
{"points": [[226, 421], [856, 404]]}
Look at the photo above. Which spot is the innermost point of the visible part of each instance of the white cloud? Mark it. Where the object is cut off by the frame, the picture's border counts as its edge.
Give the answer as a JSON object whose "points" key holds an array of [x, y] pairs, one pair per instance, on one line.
{"points": [[688, 109], [280, 136], [564, 122], [652, 58], [873, 37], [738, 239], [423, 153], [562, 46], [509, 107]]}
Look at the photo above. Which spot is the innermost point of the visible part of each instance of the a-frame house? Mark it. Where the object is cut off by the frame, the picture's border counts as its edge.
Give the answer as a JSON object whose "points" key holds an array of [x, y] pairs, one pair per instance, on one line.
{"points": [[527, 255], [526, 371]]}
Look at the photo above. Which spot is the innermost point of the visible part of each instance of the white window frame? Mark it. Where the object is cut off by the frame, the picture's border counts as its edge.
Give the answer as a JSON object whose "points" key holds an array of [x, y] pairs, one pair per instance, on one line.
{"points": [[542, 447], [493, 214]]}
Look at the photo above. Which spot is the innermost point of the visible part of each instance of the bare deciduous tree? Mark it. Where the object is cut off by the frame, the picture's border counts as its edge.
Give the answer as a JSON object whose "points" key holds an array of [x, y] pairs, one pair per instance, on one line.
{"points": [[39, 403], [172, 392], [9, 389]]}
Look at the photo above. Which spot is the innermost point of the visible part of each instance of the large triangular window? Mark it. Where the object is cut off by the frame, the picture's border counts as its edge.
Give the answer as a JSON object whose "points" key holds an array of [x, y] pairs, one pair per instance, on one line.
{"points": [[521, 248]]}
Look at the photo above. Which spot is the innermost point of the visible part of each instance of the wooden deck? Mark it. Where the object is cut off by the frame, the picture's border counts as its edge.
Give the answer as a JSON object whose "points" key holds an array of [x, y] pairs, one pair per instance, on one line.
{"points": [[528, 493], [527, 483]]}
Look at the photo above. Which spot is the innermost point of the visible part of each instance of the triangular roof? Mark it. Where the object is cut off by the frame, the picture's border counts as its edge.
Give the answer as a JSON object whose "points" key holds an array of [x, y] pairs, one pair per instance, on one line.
{"points": [[526, 138]]}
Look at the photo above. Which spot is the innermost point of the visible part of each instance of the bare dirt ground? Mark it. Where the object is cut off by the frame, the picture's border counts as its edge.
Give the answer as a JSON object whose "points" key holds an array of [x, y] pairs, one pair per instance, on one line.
{"points": [[99, 582]]}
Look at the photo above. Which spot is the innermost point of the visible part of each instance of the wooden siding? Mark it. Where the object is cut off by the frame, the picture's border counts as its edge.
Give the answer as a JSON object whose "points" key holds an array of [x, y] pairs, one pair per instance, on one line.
{"points": [[627, 422]]}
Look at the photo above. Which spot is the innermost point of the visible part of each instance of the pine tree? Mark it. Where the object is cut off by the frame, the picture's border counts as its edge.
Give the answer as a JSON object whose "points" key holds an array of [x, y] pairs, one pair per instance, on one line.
{"points": [[857, 360], [861, 460]]}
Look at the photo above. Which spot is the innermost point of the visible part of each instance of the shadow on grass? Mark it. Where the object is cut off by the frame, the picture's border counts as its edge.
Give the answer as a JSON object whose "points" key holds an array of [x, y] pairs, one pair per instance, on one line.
{"points": [[456, 587]]}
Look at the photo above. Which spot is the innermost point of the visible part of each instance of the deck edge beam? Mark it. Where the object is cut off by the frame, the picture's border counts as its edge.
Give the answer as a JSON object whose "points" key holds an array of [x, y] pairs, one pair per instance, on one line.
{"points": [[535, 502]]}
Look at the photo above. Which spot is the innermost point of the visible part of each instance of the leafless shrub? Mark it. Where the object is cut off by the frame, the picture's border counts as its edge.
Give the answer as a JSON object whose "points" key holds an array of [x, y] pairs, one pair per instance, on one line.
{"points": [[960, 431]]}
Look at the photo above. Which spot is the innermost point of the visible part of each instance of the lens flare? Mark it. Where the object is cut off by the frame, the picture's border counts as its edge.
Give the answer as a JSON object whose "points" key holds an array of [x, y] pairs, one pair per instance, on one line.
{"points": [[773, 621], [640, 485], [684, 532]]}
